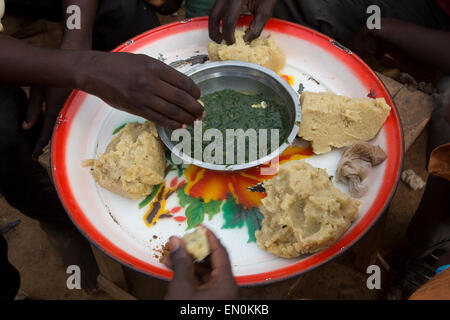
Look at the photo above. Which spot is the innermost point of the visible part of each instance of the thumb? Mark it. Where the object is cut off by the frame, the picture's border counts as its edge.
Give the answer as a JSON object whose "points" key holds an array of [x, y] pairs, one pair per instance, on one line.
{"points": [[182, 285], [256, 27], [46, 133], [34, 107], [181, 261]]}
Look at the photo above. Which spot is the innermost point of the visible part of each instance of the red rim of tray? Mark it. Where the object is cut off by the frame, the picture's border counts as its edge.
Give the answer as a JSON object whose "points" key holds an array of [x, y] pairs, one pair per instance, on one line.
{"points": [[375, 88]]}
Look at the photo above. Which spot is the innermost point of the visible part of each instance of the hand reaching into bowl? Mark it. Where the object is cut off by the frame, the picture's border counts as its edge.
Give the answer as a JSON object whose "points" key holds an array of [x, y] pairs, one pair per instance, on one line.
{"points": [[135, 83], [143, 86], [228, 11]]}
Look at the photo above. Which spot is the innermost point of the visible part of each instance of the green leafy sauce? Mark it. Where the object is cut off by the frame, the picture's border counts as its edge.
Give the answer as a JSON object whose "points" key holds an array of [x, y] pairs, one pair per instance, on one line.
{"points": [[231, 109]]}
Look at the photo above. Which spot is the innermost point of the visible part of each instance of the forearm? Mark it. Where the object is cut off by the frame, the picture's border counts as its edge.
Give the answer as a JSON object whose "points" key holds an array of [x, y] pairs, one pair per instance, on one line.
{"points": [[79, 39], [26, 65], [427, 46]]}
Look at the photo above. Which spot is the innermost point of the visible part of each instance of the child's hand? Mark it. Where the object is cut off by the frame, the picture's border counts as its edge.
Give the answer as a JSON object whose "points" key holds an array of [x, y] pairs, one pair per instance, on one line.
{"points": [[228, 11], [141, 85], [211, 279]]}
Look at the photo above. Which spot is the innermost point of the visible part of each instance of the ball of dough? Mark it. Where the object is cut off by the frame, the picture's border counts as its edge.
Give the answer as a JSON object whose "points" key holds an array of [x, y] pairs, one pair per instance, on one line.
{"points": [[197, 244], [330, 120], [133, 162], [262, 51], [303, 211]]}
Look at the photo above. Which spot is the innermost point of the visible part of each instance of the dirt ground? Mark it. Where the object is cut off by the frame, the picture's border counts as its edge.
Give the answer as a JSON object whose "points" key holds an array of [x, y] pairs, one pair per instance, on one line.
{"points": [[44, 276]]}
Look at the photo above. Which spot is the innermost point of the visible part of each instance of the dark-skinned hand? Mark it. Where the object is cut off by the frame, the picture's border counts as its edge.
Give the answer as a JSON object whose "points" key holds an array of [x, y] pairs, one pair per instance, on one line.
{"points": [[211, 279], [133, 83], [143, 86], [366, 44], [48, 101], [228, 12]]}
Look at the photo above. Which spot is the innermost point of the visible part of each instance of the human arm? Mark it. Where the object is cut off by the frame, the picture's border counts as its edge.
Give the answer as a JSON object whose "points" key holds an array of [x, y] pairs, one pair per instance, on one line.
{"points": [[134, 83], [79, 39], [52, 98], [426, 46]]}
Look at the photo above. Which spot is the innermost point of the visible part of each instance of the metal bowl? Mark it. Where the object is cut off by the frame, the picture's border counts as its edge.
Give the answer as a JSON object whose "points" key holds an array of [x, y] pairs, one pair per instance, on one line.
{"points": [[242, 76]]}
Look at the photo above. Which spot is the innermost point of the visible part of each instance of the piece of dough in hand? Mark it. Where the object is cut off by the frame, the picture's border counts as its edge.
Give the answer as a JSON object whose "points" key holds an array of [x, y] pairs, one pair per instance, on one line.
{"points": [[262, 51], [197, 244]]}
